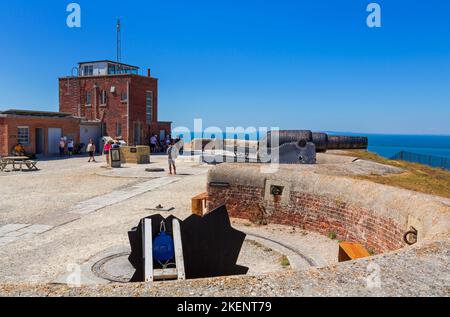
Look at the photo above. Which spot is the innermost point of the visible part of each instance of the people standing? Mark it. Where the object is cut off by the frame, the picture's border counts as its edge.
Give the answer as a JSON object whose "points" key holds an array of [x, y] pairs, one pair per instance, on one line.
{"points": [[115, 145], [70, 147], [153, 143], [107, 150], [62, 147], [91, 150], [172, 153]]}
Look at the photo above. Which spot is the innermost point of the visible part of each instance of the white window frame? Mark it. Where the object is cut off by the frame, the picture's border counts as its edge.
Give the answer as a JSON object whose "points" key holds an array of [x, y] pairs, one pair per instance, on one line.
{"points": [[87, 70], [118, 124], [121, 95], [28, 135], [88, 104], [103, 98]]}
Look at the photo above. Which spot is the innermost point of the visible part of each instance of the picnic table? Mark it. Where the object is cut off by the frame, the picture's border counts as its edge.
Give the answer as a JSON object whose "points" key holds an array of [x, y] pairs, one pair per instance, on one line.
{"points": [[17, 160]]}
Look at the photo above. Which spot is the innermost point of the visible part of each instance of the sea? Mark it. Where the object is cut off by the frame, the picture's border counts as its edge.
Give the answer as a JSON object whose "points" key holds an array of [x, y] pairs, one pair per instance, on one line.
{"points": [[388, 145]]}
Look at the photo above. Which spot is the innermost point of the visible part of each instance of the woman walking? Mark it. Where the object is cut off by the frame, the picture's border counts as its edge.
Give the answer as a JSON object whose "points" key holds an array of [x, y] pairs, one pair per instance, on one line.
{"points": [[91, 150], [107, 150]]}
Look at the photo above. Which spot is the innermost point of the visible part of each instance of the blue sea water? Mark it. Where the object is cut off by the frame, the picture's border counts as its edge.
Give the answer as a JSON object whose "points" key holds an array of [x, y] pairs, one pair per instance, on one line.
{"points": [[387, 145]]}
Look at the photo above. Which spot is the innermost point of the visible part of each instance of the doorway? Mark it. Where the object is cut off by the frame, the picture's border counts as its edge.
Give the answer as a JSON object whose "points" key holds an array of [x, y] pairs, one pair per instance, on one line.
{"points": [[54, 136], [40, 149]]}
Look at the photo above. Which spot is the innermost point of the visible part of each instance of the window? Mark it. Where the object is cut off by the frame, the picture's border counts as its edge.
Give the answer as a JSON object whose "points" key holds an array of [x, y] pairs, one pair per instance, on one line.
{"points": [[88, 98], [23, 135], [137, 133], [124, 96], [111, 69], [149, 106], [118, 129], [104, 129], [88, 70], [104, 97]]}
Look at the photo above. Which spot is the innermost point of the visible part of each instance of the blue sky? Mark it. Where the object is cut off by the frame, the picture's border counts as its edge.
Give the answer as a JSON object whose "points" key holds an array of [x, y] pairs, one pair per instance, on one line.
{"points": [[289, 64]]}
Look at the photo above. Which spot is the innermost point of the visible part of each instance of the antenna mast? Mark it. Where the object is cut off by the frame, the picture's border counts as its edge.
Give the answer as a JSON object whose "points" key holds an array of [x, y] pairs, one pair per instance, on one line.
{"points": [[119, 41]]}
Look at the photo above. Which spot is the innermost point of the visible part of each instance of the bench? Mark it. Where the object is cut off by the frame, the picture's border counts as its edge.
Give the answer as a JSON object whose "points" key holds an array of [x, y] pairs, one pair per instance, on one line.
{"points": [[199, 204], [351, 251], [31, 165]]}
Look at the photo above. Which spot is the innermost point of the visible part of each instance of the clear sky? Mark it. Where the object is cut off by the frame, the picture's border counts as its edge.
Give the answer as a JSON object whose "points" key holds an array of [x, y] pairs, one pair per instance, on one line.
{"points": [[290, 64]]}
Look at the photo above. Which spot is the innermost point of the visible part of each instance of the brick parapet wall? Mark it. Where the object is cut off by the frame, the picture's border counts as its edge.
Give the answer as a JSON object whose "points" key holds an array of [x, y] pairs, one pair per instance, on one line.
{"points": [[313, 213], [359, 211]]}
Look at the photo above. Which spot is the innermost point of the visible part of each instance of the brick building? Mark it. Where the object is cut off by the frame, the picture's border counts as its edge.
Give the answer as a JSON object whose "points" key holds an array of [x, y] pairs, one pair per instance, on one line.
{"points": [[116, 98], [38, 131]]}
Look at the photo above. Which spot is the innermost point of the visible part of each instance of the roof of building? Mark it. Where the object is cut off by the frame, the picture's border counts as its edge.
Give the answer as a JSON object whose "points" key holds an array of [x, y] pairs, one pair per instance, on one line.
{"points": [[108, 61], [34, 113]]}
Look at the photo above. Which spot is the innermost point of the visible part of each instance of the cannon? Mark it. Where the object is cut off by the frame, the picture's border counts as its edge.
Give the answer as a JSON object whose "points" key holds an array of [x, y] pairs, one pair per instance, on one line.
{"points": [[293, 147]]}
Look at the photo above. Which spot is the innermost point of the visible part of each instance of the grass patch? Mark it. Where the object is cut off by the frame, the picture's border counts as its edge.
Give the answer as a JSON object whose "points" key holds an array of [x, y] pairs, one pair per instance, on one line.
{"points": [[332, 236], [417, 177], [284, 261]]}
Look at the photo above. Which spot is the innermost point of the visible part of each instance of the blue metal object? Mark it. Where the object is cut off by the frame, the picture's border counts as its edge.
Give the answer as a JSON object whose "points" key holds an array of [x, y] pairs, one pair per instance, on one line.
{"points": [[163, 248]]}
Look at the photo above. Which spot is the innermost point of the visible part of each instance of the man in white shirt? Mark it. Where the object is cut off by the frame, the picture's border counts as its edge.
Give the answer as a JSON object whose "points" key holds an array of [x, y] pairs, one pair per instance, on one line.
{"points": [[172, 153], [153, 143]]}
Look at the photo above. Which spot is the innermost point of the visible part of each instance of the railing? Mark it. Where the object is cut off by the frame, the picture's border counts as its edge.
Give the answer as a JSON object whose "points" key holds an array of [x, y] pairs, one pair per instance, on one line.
{"points": [[433, 161]]}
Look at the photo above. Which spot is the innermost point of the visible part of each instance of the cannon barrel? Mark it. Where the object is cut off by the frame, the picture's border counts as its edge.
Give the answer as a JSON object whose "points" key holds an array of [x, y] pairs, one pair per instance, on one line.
{"points": [[289, 136], [321, 141], [347, 142]]}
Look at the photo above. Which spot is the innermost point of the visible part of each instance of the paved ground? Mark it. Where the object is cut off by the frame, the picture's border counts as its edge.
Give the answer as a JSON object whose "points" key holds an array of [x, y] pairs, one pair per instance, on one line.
{"points": [[71, 212], [67, 213]]}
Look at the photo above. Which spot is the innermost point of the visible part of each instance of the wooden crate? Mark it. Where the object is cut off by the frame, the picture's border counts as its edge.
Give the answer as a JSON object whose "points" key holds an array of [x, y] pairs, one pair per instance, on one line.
{"points": [[199, 204], [351, 251]]}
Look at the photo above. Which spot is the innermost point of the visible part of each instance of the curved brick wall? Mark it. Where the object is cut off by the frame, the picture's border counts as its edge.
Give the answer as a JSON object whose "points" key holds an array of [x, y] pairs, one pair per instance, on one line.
{"points": [[374, 215]]}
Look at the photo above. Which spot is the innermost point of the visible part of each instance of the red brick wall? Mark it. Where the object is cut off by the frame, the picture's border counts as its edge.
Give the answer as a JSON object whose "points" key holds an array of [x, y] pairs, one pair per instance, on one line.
{"points": [[72, 99], [138, 111], [69, 126], [311, 212], [3, 137]]}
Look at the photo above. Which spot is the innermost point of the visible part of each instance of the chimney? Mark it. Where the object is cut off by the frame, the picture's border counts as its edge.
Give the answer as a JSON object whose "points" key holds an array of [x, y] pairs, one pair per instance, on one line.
{"points": [[149, 73]]}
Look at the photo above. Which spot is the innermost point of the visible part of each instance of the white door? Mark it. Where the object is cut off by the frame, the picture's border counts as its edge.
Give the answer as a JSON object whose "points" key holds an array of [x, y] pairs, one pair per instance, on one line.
{"points": [[88, 132], [54, 136]]}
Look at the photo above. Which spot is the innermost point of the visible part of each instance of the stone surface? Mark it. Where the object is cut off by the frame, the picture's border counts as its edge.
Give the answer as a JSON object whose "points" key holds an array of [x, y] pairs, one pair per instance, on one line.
{"points": [[11, 228], [419, 271]]}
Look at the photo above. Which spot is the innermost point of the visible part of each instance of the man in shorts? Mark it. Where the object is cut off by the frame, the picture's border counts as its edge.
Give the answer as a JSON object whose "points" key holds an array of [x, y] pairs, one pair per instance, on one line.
{"points": [[172, 153], [91, 150]]}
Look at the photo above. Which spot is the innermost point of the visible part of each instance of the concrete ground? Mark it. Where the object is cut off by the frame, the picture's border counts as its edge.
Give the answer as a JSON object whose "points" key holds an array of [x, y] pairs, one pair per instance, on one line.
{"points": [[71, 212]]}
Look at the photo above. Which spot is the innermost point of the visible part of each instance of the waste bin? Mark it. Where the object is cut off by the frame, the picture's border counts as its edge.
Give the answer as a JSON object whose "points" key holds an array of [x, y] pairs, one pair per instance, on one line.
{"points": [[115, 157]]}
